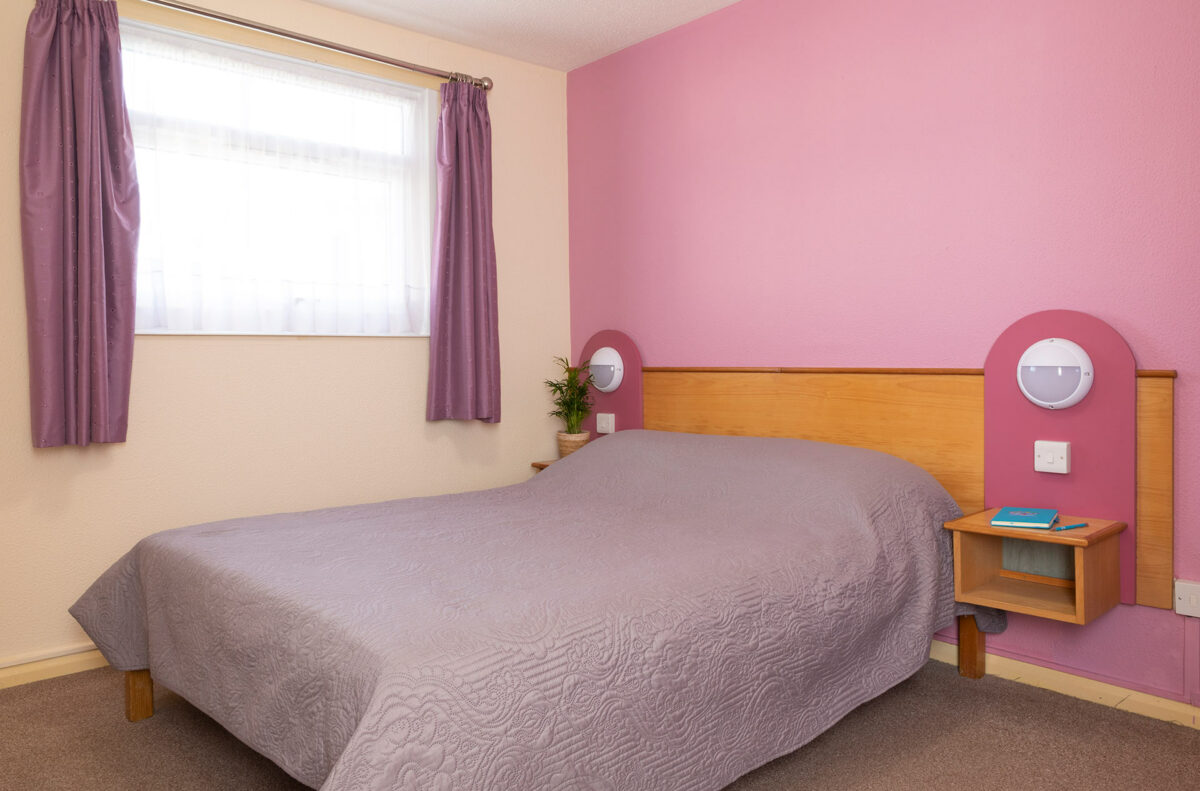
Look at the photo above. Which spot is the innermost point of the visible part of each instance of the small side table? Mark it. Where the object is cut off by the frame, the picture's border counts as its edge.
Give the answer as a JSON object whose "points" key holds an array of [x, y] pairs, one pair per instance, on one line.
{"points": [[980, 576], [538, 466]]}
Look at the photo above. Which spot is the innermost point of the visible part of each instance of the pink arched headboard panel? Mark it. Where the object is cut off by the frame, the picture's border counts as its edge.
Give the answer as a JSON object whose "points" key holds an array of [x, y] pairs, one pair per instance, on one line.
{"points": [[626, 401], [1102, 430]]}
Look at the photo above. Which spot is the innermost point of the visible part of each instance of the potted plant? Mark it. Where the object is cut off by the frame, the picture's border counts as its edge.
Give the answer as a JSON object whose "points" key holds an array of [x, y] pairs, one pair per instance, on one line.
{"points": [[572, 403]]}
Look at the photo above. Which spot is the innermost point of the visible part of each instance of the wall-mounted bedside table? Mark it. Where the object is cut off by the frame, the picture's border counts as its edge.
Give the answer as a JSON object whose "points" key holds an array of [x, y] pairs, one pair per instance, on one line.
{"points": [[980, 576], [538, 466]]}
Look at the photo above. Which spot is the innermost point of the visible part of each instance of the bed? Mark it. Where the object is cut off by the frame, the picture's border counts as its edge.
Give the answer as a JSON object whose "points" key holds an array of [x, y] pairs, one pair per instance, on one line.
{"points": [[657, 611]]}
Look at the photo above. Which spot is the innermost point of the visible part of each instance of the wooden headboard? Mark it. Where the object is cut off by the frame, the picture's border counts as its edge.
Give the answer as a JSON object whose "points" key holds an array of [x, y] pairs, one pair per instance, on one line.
{"points": [[932, 417]]}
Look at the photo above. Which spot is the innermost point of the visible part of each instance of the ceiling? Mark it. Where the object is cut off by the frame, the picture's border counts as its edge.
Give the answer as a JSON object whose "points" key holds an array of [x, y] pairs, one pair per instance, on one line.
{"points": [[561, 34]]}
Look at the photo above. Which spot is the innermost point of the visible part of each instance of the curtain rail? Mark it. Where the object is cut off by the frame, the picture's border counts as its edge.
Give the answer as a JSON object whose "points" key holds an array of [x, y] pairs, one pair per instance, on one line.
{"points": [[454, 76]]}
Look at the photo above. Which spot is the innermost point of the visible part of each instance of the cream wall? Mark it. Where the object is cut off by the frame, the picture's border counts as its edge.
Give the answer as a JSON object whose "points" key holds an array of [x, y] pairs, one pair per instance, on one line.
{"points": [[230, 426]]}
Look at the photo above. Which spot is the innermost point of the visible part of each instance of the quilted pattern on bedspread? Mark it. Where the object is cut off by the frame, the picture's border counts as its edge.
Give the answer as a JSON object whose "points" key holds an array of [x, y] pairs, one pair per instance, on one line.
{"points": [[657, 611]]}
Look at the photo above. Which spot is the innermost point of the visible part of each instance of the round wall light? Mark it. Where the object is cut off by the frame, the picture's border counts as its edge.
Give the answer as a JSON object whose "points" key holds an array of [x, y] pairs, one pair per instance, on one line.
{"points": [[1055, 373], [607, 369]]}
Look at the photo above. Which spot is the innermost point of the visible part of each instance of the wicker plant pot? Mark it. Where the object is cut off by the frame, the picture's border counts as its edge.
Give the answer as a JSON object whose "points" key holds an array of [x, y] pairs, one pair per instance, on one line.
{"points": [[569, 443]]}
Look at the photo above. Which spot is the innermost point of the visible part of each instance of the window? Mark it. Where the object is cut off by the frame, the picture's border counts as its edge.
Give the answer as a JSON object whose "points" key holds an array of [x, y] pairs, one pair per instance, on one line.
{"points": [[279, 196]]}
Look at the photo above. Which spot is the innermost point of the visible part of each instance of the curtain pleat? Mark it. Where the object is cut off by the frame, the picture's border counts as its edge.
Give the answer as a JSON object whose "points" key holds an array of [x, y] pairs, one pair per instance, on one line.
{"points": [[79, 223], [464, 344]]}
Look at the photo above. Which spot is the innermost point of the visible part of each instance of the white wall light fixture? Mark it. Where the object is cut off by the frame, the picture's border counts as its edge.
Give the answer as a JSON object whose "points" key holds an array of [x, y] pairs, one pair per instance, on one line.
{"points": [[607, 369], [1055, 373]]}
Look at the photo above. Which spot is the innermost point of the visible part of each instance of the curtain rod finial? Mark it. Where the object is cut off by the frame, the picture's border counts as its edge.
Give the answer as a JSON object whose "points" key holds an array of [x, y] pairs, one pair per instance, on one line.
{"points": [[485, 83]]}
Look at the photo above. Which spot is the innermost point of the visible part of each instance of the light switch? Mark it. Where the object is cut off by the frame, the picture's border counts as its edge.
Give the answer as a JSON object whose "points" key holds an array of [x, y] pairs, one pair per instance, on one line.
{"points": [[606, 422], [1052, 456], [1187, 598]]}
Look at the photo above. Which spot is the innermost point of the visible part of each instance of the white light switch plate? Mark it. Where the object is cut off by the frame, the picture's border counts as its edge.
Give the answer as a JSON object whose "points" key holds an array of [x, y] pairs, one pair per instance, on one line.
{"points": [[1187, 598], [1052, 456], [606, 422]]}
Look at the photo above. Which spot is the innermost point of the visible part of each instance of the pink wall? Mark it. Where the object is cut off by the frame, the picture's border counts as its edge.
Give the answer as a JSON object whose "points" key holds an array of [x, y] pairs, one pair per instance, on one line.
{"points": [[792, 182]]}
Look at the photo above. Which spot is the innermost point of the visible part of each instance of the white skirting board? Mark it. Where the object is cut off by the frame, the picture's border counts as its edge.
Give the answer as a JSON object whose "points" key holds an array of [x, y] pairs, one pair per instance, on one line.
{"points": [[73, 662], [1078, 687], [999, 666]]}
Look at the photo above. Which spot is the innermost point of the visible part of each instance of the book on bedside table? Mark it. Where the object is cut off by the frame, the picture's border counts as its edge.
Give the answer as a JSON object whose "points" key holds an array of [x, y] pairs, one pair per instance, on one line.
{"points": [[1037, 518]]}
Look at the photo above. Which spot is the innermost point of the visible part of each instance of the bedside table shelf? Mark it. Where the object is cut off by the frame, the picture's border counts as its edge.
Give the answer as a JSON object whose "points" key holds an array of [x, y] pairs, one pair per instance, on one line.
{"points": [[1027, 596], [980, 576]]}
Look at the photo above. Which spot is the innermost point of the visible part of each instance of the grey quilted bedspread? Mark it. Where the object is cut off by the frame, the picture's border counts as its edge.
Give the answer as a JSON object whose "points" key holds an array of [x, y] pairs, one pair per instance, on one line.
{"points": [[657, 611]]}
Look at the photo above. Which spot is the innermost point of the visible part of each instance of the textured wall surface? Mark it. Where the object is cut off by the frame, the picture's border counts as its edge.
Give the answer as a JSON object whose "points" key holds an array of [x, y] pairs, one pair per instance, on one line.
{"points": [[818, 183]]}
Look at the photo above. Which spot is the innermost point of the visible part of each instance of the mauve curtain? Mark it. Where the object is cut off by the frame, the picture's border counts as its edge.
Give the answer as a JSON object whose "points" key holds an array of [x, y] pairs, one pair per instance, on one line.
{"points": [[79, 221], [464, 344]]}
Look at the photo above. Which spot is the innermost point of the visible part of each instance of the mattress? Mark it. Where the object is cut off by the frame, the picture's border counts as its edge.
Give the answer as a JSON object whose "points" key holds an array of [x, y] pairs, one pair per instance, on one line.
{"points": [[656, 611]]}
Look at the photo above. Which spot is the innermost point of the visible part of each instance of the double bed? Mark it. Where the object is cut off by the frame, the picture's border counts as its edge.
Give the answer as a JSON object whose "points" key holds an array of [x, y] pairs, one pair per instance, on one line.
{"points": [[660, 610], [657, 611]]}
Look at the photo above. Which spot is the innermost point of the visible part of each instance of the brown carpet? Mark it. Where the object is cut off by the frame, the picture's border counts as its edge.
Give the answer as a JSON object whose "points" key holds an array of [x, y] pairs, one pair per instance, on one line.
{"points": [[934, 731]]}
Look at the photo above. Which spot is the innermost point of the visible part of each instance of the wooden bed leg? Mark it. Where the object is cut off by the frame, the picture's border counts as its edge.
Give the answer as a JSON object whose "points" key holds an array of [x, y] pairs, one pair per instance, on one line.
{"points": [[139, 695], [972, 645]]}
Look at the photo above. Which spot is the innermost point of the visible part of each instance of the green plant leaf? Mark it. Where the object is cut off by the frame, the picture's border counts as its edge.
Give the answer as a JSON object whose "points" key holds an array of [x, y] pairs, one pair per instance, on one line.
{"points": [[571, 394]]}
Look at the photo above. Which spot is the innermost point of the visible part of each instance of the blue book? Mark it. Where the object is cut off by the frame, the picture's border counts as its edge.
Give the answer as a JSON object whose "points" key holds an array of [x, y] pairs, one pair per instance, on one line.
{"points": [[1040, 518]]}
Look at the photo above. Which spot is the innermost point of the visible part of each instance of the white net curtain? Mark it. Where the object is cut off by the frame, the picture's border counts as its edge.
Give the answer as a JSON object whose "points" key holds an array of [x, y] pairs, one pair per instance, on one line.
{"points": [[278, 196]]}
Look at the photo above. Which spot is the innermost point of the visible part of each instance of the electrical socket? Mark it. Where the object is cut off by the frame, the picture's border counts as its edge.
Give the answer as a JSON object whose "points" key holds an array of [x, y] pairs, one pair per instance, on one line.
{"points": [[606, 422], [1187, 598]]}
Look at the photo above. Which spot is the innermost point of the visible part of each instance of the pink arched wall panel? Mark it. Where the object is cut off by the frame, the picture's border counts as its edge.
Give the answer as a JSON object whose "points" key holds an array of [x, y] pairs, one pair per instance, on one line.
{"points": [[626, 401], [1102, 430]]}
